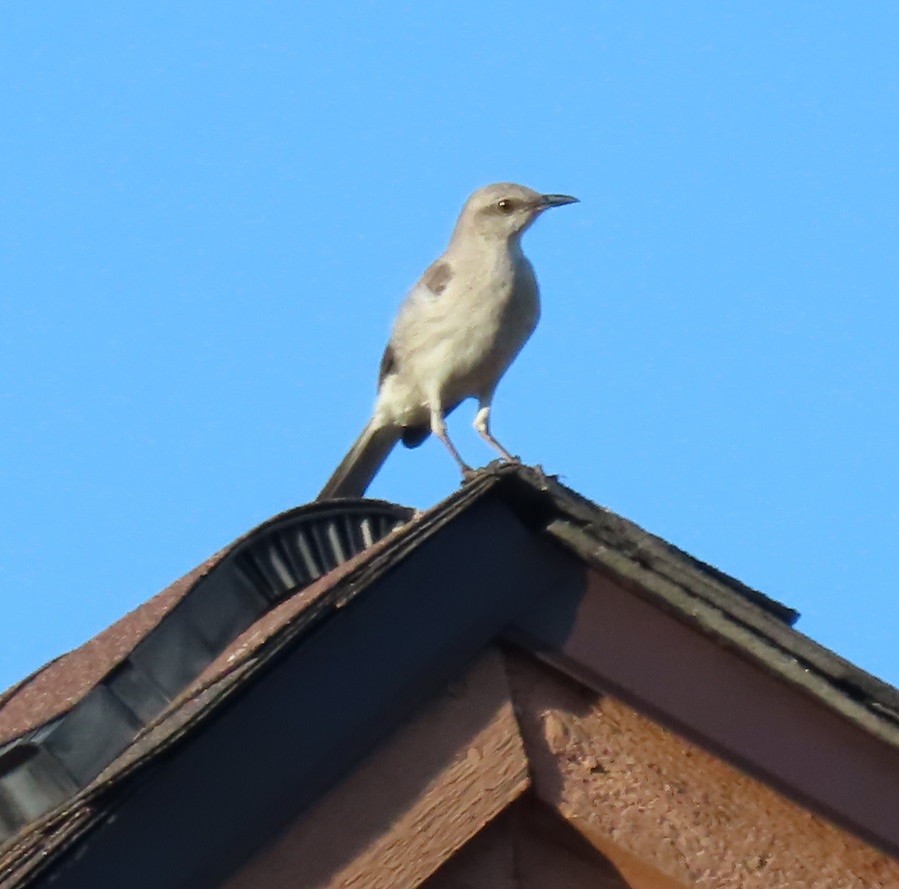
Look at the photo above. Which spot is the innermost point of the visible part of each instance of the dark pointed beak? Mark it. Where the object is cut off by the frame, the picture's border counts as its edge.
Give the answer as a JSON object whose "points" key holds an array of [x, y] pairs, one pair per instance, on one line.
{"points": [[557, 200]]}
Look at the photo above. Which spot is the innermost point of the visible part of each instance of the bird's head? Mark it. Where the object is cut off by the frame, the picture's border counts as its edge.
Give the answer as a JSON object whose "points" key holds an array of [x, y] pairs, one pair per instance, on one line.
{"points": [[504, 210]]}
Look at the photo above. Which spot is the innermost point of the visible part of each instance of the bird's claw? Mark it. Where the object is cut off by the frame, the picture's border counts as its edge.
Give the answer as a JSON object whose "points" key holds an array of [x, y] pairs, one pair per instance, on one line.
{"points": [[468, 474], [542, 478]]}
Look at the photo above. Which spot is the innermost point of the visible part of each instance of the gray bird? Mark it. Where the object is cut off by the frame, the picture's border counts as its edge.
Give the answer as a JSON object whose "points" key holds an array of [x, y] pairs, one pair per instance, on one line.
{"points": [[458, 330]]}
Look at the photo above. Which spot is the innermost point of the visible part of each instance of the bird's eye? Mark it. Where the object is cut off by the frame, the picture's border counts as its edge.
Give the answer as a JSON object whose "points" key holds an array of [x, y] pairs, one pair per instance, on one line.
{"points": [[505, 206]]}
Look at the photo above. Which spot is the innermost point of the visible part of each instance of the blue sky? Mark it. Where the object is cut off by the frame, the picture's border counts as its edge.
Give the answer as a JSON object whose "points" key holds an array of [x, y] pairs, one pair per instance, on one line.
{"points": [[210, 212]]}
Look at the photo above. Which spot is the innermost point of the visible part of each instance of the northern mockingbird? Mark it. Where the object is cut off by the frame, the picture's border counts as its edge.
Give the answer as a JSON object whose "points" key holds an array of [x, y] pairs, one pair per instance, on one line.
{"points": [[457, 332]]}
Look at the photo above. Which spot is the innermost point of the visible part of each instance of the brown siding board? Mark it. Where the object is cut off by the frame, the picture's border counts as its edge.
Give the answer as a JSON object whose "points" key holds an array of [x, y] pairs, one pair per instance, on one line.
{"points": [[413, 802], [485, 862], [660, 807], [616, 641], [530, 847]]}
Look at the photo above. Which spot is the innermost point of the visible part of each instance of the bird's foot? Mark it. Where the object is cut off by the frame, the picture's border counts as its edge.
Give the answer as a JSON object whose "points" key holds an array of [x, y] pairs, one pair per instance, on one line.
{"points": [[542, 478]]}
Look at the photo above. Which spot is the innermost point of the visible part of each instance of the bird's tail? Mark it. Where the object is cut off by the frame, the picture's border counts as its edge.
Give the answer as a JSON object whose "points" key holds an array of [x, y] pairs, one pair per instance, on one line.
{"points": [[362, 462]]}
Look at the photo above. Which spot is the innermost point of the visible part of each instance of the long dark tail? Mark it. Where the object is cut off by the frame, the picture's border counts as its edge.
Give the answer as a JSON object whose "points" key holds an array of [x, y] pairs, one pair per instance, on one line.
{"points": [[362, 462]]}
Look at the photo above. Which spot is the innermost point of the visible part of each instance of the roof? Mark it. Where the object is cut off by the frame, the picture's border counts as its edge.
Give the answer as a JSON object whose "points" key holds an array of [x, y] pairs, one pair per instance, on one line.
{"points": [[556, 536], [65, 724], [57, 686]]}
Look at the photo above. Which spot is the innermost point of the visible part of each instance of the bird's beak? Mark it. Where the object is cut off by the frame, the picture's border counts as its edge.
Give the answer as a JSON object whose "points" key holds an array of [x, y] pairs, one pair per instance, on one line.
{"points": [[556, 200]]}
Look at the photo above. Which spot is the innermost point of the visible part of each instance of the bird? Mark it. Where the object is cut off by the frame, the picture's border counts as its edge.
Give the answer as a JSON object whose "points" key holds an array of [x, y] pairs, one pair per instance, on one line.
{"points": [[457, 331]]}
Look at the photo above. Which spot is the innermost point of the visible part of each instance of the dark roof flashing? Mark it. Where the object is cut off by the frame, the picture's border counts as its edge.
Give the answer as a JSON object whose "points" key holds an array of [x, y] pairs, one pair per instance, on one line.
{"points": [[544, 501], [198, 618]]}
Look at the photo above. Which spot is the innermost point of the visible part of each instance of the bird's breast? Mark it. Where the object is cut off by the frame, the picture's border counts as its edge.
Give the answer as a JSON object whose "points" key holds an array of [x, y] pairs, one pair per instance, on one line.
{"points": [[482, 326], [460, 342]]}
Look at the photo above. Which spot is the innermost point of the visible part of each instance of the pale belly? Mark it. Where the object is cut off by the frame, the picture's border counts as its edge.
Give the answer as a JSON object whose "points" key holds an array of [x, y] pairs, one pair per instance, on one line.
{"points": [[452, 353]]}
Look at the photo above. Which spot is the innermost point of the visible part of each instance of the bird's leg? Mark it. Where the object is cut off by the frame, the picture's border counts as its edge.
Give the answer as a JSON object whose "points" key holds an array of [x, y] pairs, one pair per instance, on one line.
{"points": [[482, 424], [438, 427]]}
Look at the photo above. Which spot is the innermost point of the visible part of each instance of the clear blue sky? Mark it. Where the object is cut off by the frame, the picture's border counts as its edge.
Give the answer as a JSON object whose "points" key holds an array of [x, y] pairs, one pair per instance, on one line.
{"points": [[209, 213]]}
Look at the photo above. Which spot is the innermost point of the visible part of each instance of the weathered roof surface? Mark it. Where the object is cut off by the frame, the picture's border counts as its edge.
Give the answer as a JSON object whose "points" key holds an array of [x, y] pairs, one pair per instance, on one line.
{"points": [[59, 685], [719, 606]]}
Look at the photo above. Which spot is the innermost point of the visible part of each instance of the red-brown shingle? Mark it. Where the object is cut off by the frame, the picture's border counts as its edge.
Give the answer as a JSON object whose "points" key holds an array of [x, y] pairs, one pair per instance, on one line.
{"points": [[59, 685]]}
